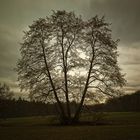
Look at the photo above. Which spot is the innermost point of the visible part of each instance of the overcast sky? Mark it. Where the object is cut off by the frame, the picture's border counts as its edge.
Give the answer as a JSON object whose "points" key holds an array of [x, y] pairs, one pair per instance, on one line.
{"points": [[16, 15]]}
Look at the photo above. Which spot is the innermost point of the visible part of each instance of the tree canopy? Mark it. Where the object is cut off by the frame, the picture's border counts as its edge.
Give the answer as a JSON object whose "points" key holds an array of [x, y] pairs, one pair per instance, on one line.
{"points": [[64, 59]]}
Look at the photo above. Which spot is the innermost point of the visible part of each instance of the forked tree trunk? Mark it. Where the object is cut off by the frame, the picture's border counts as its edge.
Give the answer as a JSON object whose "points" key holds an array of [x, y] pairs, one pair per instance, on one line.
{"points": [[64, 57], [78, 112], [61, 110]]}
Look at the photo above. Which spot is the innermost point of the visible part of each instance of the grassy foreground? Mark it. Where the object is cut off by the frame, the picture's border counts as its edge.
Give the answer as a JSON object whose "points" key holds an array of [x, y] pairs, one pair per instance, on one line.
{"points": [[113, 126]]}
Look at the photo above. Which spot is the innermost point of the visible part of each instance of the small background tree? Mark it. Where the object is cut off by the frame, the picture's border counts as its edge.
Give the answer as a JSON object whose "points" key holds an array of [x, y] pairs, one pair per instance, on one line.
{"points": [[5, 92], [64, 59]]}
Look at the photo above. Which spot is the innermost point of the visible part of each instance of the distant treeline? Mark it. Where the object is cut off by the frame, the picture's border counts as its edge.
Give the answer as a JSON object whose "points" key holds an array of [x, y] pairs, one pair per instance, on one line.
{"points": [[22, 108], [121, 104]]}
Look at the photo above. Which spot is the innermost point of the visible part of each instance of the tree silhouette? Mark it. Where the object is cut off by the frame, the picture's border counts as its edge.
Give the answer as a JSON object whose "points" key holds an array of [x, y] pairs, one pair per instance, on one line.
{"points": [[64, 58], [5, 92]]}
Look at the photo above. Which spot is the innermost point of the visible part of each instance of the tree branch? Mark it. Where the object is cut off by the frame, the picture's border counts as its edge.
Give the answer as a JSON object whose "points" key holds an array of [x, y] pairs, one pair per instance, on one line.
{"points": [[51, 81]]}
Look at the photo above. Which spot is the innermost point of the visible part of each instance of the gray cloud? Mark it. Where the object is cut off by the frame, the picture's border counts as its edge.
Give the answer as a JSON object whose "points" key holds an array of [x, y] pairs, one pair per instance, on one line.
{"points": [[124, 14], [125, 19], [16, 15], [8, 52]]}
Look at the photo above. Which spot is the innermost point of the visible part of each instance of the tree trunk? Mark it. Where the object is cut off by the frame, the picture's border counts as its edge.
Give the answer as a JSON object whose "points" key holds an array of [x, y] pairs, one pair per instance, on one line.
{"points": [[65, 78], [61, 110], [77, 114]]}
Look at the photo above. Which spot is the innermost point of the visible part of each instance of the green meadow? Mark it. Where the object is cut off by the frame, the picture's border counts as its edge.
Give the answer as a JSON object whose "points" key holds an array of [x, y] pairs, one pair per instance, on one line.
{"points": [[104, 126]]}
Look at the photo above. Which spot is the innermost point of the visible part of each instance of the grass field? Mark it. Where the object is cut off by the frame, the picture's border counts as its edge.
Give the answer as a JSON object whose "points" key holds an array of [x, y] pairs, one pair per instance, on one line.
{"points": [[113, 126]]}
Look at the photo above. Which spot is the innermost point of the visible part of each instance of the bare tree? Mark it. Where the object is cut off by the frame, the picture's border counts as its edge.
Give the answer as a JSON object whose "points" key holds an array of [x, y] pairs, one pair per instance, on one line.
{"points": [[64, 58], [5, 92]]}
